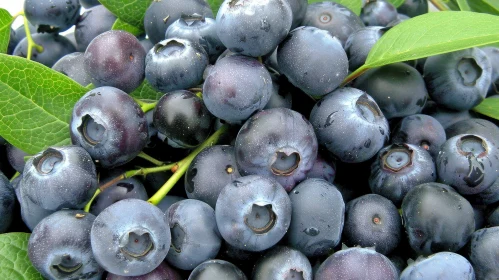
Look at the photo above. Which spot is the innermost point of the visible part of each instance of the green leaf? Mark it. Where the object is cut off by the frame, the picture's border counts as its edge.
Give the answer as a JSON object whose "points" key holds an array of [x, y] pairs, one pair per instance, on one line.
{"points": [[121, 25], [489, 107], [354, 5], [463, 5], [397, 3], [14, 260], [146, 91], [215, 5], [431, 34], [35, 105], [479, 6], [5, 23], [494, 4], [130, 11]]}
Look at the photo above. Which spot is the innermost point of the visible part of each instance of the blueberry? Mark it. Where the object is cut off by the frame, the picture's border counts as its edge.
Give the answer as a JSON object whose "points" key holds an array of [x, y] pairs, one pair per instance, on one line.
{"points": [[475, 126], [446, 117], [89, 3], [32, 213], [15, 156], [356, 263], [337, 113], [484, 254], [7, 202], [359, 44], [278, 143], [195, 236], [59, 247], [59, 177], [283, 262], [253, 213], [17, 35], [378, 12], [493, 218], [436, 218], [323, 169], [469, 163], [161, 14], [237, 87], [92, 22], [335, 18], [312, 60], [175, 64], [52, 15], [163, 271], [210, 171], [400, 18], [299, 9], [372, 221], [71, 65], [253, 28], [488, 196], [443, 265], [110, 125], [413, 8], [146, 44], [115, 58], [458, 80], [168, 201], [493, 55], [54, 47], [130, 238], [398, 168], [217, 269], [388, 85], [182, 118], [317, 217], [420, 130], [281, 96]]}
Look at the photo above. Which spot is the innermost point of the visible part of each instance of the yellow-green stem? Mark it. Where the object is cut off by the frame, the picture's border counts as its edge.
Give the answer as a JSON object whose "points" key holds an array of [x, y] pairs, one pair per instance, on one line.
{"points": [[31, 43], [439, 5], [15, 176], [145, 106], [87, 207], [150, 159]]}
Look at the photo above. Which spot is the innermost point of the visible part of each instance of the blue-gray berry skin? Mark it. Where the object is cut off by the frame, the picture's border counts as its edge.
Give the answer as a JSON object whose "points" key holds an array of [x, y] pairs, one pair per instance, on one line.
{"points": [[60, 248], [163, 271], [237, 87], [54, 46], [477, 126], [283, 262], [15, 157], [130, 238], [446, 117], [110, 125], [32, 213], [253, 213], [349, 123], [59, 177], [335, 18], [195, 235], [200, 30], [359, 44], [436, 218], [483, 253], [458, 80], [443, 265], [7, 202], [317, 218], [175, 64], [91, 23], [379, 13], [323, 169], [217, 269], [488, 196], [71, 65], [298, 9], [253, 28], [398, 168], [313, 60], [52, 16], [357, 263], [278, 143], [168, 201], [469, 163], [420, 130]]}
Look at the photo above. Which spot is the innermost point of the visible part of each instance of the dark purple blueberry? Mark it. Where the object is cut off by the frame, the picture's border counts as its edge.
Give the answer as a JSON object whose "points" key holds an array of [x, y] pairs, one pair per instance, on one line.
{"points": [[161, 14], [91, 23], [253, 213], [115, 58], [237, 87], [436, 218], [349, 123], [298, 9], [162, 272], [123, 189], [71, 65], [443, 265], [217, 269], [7, 202], [323, 169], [378, 13], [313, 60], [357, 263], [372, 221], [59, 177], [475, 126], [283, 262], [458, 80], [420, 130], [359, 44], [200, 30], [52, 15], [469, 163], [317, 218], [54, 47], [278, 143], [483, 254], [210, 171], [110, 125], [388, 86], [335, 18], [15, 156], [253, 28], [59, 247], [413, 8], [130, 238], [398, 168]]}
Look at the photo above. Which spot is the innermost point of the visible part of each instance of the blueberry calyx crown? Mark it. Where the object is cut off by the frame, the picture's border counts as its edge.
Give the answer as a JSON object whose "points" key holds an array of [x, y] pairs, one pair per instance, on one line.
{"points": [[48, 161], [469, 71], [92, 131], [398, 157], [65, 265], [368, 109], [136, 243], [285, 162], [261, 219], [472, 145]]}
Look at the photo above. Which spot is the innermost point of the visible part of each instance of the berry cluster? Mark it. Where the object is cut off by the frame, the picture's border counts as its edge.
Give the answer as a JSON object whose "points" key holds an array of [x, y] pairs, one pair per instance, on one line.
{"points": [[392, 165]]}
